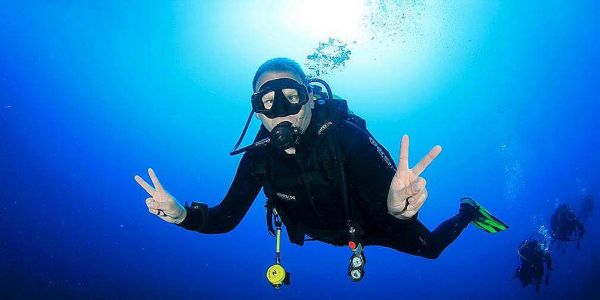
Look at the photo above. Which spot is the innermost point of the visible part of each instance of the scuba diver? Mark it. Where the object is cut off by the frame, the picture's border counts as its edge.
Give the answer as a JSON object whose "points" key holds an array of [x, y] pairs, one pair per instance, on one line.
{"points": [[587, 207], [325, 177], [565, 225], [531, 271]]}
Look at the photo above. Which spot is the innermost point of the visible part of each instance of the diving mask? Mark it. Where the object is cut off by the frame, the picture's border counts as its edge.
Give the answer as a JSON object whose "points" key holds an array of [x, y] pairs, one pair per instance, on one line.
{"points": [[279, 98]]}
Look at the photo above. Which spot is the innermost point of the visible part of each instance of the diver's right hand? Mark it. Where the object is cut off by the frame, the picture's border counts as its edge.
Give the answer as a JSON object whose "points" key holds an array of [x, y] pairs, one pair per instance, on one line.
{"points": [[161, 203]]}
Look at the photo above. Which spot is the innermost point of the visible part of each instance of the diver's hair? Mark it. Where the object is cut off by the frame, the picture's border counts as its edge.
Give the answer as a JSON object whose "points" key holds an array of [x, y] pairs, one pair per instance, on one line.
{"points": [[280, 64]]}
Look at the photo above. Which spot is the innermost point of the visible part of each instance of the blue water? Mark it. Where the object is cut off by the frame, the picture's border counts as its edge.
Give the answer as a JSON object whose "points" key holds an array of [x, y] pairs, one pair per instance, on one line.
{"points": [[93, 93]]}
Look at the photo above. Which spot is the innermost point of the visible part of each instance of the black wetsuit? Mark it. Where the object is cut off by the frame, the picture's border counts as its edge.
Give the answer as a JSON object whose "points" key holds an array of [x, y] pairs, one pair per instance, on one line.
{"points": [[307, 193], [565, 225], [531, 270]]}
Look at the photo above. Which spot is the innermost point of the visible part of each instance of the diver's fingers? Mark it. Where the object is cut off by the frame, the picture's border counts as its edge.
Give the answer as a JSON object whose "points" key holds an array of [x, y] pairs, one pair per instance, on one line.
{"points": [[166, 218], [414, 199], [415, 202], [152, 207], [419, 195], [415, 187], [158, 211], [424, 163], [154, 179], [403, 161], [144, 185], [150, 203], [154, 204], [161, 214], [164, 197]]}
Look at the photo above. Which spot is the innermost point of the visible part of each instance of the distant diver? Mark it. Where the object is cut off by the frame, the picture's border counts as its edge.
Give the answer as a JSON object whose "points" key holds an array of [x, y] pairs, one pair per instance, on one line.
{"points": [[324, 176], [565, 226], [533, 256]]}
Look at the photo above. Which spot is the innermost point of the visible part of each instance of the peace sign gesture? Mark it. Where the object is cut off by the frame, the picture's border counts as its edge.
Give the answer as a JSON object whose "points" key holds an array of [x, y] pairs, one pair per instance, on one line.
{"points": [[160, 202], [407, 190]]}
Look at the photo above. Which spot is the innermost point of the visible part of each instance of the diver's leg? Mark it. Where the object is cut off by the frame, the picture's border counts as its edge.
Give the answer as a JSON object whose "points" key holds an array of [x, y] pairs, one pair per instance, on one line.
{"points": [[449, 230], [414, 238]]}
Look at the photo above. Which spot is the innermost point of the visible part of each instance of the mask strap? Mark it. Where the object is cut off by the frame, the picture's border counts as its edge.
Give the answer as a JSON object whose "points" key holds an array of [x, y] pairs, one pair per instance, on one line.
{"points": [[243, 132]]}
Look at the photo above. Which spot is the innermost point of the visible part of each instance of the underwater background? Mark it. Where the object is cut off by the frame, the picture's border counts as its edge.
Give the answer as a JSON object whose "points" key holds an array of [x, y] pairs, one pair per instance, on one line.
{"points": [[95, 92]]}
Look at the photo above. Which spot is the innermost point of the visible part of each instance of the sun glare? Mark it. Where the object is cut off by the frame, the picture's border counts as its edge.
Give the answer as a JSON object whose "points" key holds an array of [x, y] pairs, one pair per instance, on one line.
{"points": [[321, 19]]}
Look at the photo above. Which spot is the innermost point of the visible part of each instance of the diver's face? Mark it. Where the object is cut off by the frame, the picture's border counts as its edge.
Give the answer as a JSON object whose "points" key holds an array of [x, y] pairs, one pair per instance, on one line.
{"points": [[301, 119]]}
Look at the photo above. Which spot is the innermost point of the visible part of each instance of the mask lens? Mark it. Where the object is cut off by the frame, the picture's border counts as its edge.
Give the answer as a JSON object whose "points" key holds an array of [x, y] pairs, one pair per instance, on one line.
{"points": [[267, 100], [292, 95]]}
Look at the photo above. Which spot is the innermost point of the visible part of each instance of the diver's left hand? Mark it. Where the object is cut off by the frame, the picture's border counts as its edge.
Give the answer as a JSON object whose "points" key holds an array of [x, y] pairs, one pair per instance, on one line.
{"points": [[407, 191]]}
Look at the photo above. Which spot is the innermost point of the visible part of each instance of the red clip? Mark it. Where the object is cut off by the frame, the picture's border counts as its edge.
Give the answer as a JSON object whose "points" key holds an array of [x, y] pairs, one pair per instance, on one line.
{"points": [[352, 245]]}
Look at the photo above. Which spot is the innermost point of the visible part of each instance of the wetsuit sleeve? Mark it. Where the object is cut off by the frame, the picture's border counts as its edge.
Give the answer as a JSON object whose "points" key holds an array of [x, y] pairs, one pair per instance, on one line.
{"points": [[370, 168], [226, 215]]}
